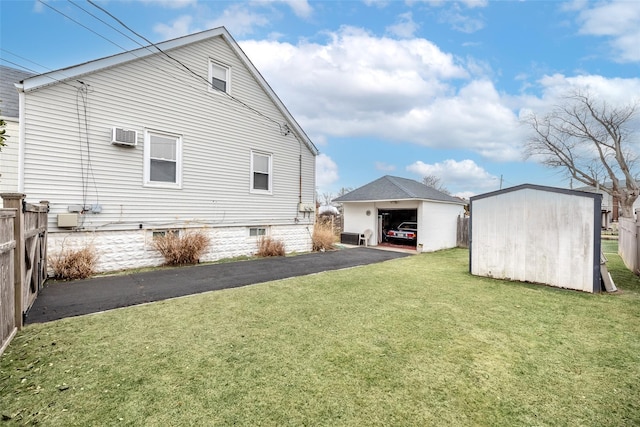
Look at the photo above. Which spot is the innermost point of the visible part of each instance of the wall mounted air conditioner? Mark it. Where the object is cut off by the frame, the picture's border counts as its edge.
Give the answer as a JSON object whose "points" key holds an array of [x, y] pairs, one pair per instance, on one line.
{"points": [[124, 137]]}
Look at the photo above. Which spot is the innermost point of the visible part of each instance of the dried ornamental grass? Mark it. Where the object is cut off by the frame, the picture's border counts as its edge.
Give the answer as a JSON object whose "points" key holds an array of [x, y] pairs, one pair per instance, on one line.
{"points": [[73, 264], [323, 238], [179, 250], [270, 247]]}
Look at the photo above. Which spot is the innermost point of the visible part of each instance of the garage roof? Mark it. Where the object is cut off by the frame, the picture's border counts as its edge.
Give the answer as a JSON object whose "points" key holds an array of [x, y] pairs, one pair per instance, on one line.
{"points": [[396, 188]]}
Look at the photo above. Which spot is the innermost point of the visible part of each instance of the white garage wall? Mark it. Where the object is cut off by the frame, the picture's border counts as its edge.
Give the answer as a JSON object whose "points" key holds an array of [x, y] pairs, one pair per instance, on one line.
{"points": [[437, 226], [536, 236]]}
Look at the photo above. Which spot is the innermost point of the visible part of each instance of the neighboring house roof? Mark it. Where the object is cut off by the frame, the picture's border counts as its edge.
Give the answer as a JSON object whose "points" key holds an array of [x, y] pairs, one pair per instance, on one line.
{"points": [[396, 188], [77, 71], [8, 92]]}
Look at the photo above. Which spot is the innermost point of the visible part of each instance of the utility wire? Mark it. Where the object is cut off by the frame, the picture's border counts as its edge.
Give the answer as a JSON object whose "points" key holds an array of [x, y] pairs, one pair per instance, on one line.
{"points": [[82, 25], [105, 23], [24, 59], [182, 64]]}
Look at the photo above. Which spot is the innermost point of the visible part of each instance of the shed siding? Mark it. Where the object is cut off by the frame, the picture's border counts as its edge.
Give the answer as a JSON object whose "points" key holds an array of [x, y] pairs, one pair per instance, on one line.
{"points": [[535, 236], [217, 132]]}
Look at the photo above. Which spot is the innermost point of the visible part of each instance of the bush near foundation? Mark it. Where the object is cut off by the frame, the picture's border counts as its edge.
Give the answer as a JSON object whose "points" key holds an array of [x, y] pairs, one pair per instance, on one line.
{"points": [[182, 249], [323, 237], [268, 246], [73, 264]]}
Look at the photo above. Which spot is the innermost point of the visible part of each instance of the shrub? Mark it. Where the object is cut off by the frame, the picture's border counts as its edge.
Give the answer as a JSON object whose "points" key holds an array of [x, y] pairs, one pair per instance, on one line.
{"points": [[323, 238], [73, 264], [181, 250], [270, 247]]}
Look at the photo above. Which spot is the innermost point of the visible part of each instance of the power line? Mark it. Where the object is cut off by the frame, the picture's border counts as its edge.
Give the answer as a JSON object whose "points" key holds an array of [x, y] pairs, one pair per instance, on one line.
{"points": [[82, 25], [182, 64], [105, 23]]}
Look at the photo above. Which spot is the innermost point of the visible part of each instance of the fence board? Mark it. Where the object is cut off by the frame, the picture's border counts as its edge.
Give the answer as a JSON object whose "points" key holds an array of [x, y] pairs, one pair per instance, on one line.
{"points": [[463, 232], [23, 260], [628, 243], [8, 325]]}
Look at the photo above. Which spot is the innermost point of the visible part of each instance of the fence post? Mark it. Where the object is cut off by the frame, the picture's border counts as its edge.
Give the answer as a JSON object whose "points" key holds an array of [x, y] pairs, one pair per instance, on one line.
{"points": [[15, 201]]}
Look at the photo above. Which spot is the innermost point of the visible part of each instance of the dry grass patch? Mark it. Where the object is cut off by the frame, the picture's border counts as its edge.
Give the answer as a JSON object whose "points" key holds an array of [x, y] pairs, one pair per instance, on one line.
{"points": [[323, 237], [181, 249], [268, 246], [73, 264]]}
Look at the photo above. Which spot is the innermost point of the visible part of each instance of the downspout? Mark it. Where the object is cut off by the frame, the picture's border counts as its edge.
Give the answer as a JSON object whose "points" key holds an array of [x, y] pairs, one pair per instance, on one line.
{"points": [[21, 136]]}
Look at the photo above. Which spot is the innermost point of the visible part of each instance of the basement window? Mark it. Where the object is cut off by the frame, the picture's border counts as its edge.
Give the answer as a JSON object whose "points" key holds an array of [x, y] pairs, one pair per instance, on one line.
{"points": [[257, 231]]}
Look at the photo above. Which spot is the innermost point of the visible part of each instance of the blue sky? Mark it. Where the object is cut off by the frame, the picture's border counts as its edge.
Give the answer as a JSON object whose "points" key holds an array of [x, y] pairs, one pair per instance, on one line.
{"points": [[406, 88]]}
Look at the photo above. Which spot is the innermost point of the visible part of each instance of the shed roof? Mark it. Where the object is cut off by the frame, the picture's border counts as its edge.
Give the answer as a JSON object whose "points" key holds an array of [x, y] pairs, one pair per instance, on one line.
{"points": [[589, 194], [8, 92], [395, 188]]}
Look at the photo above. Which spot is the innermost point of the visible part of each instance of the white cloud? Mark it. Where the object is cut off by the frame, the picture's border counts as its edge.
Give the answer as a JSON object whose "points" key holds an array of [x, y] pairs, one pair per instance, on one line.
{"points": [[464, 174], [239, 20], [359, 85], [300, 7], [384, 167], [405, 27], [615, 91], [179, 27], [619, 20], [326, 172], [171, 4], [356, 85]]}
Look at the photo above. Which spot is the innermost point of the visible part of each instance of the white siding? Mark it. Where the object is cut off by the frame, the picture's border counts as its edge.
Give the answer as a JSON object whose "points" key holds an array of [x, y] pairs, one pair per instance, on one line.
{"points": [[69, 158], [9, 159], [356, 219], [438, 225], [534, 236]]}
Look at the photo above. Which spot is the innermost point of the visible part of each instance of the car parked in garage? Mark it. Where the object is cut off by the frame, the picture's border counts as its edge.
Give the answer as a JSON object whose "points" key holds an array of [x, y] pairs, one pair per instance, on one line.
{"points": [[406, 232]]}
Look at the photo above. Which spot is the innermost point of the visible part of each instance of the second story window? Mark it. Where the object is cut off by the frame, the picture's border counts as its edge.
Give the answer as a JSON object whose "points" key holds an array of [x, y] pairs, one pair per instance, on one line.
{"points": [[219, 76]]}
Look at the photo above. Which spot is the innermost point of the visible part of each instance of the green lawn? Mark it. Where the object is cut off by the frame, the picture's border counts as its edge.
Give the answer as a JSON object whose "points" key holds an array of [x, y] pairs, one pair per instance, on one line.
{"points": [[410, 342]]}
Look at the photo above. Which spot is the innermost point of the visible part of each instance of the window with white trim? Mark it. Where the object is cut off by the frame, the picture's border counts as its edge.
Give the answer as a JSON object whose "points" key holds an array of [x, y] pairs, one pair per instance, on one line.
{"points": [[257, 231], [162, 159], [219, 76], [260, 172]]}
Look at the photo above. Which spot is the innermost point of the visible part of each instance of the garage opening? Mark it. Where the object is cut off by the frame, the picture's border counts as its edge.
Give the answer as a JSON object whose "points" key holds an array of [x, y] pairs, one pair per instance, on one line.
{"points": [[397, 227]]}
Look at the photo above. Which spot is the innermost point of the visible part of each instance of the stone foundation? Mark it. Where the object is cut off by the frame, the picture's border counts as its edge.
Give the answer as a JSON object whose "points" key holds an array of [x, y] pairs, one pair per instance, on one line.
{"points": [[130, 249]]}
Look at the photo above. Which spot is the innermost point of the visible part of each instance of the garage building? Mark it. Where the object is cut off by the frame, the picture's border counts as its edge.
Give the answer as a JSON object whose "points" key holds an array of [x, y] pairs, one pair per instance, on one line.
{"points": [[387, 202]]}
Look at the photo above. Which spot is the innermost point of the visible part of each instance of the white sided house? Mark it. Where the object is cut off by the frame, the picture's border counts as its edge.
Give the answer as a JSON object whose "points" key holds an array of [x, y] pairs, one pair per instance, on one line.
{"points": [[182, 135], [389, 201], [9, 112], [538, 234]]}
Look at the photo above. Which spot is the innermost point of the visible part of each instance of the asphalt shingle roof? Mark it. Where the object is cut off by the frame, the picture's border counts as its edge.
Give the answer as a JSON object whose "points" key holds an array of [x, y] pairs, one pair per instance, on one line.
{"points": [[396, 188], [8, 92]]}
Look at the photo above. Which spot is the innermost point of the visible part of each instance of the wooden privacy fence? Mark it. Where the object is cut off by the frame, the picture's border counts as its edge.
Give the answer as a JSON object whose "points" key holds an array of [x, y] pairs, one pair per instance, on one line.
{"points": [[23, 260], [628, 244], [463, 232]]}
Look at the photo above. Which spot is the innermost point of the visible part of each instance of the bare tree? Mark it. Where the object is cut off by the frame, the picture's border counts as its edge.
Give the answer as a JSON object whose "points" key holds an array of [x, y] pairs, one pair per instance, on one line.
{"points": [[591, 141], [435, 182], [327, 198]]}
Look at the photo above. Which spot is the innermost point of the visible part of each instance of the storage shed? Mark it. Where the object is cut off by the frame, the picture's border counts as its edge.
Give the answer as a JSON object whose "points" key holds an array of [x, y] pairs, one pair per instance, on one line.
{"points": [[389, 202], [538, 234]]}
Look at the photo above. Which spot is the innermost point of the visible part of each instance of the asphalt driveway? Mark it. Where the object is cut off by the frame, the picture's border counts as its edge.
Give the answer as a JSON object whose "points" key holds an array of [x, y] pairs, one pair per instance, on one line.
{"points": [[66, 299]]}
